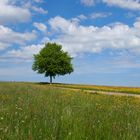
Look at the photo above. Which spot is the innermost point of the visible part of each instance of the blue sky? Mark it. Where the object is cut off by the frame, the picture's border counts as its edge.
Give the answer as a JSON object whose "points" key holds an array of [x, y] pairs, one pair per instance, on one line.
{"points": [[103, 36]]}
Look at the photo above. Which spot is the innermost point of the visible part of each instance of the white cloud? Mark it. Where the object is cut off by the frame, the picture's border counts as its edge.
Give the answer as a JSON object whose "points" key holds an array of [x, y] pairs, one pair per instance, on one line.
{"points": [[59, 23], [25, 52], [12, 14], [76, 38], [99, 15], [45, 40], [9, 37], [128, 4], [82, 17], [39, 10], [4, 1], [33, 7], [130, 15], [39, 1], [40, 26], [87, 2], [3, 46], [137, 23]]}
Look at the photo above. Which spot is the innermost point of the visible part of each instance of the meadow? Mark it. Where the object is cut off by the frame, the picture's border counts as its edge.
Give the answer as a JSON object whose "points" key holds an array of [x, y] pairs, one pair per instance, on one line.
{"points": [[31, 111], [131, 90]]}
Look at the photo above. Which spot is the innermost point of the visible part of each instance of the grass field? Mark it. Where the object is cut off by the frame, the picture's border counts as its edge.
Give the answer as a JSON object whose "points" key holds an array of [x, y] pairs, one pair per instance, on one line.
{"points": [[40, 112], [132, 90]]}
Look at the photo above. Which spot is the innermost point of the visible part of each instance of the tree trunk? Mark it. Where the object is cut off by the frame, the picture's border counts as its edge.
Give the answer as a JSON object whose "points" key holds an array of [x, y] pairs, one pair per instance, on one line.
{"points": [[50, 79]]}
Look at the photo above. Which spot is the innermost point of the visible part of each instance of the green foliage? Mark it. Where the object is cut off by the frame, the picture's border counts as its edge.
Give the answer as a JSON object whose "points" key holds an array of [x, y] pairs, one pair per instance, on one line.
{"points": [[52, 61]]}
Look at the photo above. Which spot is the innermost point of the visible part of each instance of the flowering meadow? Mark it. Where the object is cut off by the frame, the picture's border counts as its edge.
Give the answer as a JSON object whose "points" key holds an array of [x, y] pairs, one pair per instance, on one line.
{"points": [[31, 111], [131, 90]]}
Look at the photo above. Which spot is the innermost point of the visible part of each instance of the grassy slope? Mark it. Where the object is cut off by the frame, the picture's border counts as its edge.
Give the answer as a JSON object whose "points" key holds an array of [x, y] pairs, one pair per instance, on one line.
{"points": [[39, 112], [132, 90]]}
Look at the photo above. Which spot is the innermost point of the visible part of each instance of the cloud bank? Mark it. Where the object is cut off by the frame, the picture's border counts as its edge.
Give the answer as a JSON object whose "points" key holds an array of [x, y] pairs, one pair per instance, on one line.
{"points": [[10, 13], [126, 4], [77, 38]]}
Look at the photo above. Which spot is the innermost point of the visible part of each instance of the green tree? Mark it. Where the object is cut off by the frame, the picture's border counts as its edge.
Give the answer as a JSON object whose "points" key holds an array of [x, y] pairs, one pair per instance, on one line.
{"points": [[52, 61]]}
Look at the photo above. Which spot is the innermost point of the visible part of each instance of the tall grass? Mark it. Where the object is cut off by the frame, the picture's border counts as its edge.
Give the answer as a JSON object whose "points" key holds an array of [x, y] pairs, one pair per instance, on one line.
{"points": [[39, 112]]}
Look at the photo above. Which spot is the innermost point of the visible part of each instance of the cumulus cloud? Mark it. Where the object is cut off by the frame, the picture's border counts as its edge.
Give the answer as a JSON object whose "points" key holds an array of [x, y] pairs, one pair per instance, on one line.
{"points": [[40, 26], [76, 38], [9, 37], [128, 4], [10, 13], [87, 2], [26, 52]]}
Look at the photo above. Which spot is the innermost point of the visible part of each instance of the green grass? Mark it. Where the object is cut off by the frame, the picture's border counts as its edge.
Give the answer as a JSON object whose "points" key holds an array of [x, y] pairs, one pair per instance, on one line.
{"points": [[41, 112], [131, 90]]}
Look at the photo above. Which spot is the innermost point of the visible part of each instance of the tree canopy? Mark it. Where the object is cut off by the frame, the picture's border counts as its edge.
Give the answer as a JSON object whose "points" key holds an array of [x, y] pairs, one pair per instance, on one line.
{"points": [[52, 61]]}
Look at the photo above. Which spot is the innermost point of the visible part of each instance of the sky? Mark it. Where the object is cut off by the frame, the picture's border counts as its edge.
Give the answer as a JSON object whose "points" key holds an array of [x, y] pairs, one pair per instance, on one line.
{"points": [[102, 36]]}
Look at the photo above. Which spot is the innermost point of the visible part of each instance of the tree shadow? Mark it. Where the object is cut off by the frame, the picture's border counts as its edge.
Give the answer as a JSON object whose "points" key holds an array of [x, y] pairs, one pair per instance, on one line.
{"points": [[47, 83], [43, 83]]}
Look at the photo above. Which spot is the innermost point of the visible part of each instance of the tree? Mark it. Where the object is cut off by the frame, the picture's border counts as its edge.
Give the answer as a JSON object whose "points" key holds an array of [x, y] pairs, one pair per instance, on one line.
{"points": [[52, 61]]}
